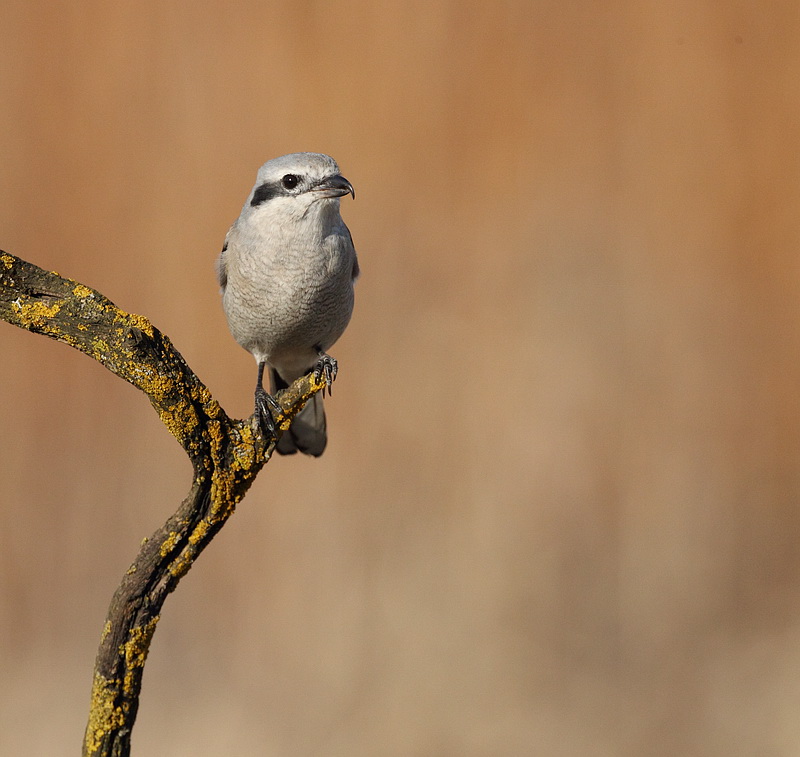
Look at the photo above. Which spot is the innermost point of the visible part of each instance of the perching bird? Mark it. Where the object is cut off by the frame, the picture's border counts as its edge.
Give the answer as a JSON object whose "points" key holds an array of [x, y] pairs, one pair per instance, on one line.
{"points": [[287, 271]]}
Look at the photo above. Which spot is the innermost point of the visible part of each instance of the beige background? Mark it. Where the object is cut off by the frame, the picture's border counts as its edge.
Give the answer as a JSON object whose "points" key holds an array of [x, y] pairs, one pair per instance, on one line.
{"points": [[558, 514]]}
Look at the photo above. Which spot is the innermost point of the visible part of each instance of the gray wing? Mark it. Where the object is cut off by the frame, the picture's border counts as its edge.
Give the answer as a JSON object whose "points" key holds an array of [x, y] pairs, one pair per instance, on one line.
{"points": [[356, 268], [222, 267]]}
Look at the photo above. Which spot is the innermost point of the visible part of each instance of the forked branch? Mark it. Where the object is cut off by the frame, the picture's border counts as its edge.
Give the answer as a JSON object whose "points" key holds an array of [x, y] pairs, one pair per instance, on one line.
{"points": [[226, 455]]}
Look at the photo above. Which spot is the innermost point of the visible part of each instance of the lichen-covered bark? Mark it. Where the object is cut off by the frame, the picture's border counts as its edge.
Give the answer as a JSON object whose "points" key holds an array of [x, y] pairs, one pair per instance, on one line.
{"points": [[226, 456]]}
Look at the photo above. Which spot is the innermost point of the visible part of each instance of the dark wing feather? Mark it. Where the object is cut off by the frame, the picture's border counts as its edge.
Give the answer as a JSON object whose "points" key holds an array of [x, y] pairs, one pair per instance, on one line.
{"points": [[222, 268]]}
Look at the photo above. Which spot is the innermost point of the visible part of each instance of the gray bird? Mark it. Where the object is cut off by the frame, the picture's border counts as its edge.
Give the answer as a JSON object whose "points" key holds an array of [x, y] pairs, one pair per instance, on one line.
{"points": [[287, 271]]}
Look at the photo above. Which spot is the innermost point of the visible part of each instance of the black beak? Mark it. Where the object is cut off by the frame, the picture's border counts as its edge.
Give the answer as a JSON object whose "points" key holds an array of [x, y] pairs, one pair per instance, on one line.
{"points": [[335, 186]]}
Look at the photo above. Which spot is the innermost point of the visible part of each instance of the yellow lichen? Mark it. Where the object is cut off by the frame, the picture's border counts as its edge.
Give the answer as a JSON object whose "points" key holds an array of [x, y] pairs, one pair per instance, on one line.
{"points": [[138, 321], [215, 435], [212, 407], [244, 455], [104, 714], [7, 261], [179, 567], [106, 631], [36, 313], [154, 384], [199, 532], [79, 290], [169, 543], [180, 419], [100, 346], [221, 486], [135, 652]]}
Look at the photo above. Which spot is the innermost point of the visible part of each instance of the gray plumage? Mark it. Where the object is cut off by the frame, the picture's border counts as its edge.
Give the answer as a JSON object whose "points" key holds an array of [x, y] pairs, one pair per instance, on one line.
{"points": [[287, 271]]}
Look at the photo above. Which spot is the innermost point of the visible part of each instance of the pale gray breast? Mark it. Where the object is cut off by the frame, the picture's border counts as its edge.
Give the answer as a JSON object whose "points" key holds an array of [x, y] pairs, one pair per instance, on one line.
{"points": [[289, 293]]}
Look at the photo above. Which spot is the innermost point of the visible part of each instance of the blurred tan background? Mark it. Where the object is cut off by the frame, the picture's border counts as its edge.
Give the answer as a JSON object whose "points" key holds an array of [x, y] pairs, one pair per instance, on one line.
{"points": [[558, 514]]}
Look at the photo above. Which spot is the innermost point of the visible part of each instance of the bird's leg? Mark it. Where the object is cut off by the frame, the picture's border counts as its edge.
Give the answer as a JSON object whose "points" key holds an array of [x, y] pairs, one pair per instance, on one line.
{"points": [[326, 367], [266, 405]]}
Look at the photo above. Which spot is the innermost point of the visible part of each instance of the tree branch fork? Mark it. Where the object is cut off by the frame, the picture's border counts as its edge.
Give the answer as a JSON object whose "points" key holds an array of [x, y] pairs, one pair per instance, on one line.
{"points": [[226, 455]]}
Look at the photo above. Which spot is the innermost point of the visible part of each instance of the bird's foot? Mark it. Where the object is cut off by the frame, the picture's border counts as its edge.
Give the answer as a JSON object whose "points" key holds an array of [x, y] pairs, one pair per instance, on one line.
{"points": [[326, 368], [266, 408]]}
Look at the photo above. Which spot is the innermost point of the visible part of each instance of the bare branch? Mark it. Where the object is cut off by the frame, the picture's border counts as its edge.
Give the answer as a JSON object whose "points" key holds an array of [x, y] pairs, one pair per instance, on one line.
{"points": [[226, 456]]}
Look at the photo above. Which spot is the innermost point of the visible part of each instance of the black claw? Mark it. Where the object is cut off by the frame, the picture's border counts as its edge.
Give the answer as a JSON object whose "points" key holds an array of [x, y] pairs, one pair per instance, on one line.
{"points": [[266, 405], [326, 367]]}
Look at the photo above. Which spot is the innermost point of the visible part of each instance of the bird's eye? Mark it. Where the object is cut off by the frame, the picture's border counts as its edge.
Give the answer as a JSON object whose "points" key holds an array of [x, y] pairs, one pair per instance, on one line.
{"points": [[290, 181]]}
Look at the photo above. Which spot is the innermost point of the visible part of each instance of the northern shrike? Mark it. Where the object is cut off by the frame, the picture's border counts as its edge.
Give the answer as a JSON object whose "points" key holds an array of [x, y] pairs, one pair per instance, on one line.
{"points": [[287, 271]]}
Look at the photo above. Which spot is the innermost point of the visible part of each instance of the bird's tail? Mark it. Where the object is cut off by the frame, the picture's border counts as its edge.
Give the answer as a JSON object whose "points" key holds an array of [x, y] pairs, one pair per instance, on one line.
{"points": [[308, 432]]}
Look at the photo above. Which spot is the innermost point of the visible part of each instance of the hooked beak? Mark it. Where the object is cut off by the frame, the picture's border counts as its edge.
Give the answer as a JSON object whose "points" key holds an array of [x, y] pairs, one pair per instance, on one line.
{"points": [[335, 186]]}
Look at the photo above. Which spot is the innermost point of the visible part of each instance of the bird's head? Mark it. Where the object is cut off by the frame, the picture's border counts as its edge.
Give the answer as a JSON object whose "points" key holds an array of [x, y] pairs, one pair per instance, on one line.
{"points": [[292, 184]]}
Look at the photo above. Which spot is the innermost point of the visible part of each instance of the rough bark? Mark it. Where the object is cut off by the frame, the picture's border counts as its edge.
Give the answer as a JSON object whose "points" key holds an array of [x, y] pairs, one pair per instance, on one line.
{"points": [[226, 455]]}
